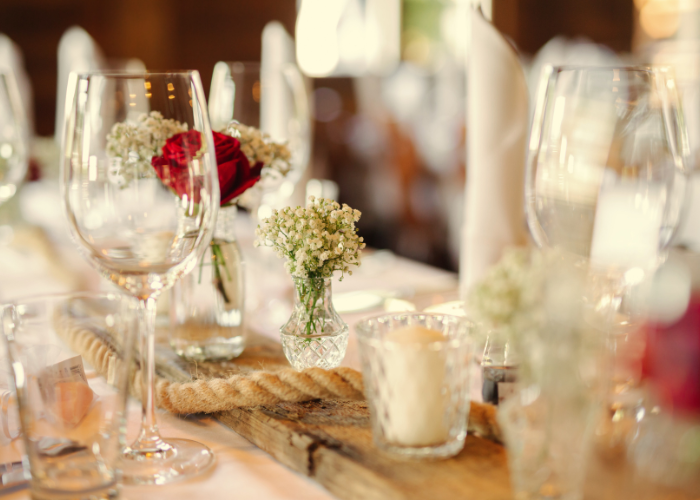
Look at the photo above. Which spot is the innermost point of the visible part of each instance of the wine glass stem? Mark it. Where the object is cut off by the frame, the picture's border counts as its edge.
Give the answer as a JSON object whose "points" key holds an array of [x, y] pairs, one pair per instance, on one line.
{"points": [[149, 437]]}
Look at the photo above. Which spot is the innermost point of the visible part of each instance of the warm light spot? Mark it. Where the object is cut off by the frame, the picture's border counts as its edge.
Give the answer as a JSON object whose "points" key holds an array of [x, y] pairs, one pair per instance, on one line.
{"points": [[147, 85], [171, 96], [190, 103], [133, 96], [317, 41], [659, 18], [171, 87], [256, 91], [132, 104], [148, 95]]}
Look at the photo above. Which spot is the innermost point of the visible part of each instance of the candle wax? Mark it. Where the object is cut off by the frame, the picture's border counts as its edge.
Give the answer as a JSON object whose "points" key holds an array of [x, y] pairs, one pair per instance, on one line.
{"points": [[414, 378]]}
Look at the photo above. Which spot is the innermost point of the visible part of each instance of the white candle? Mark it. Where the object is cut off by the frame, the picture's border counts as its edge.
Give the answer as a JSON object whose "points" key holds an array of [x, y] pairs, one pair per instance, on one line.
{"points": [[414, 378], [627, 225]]}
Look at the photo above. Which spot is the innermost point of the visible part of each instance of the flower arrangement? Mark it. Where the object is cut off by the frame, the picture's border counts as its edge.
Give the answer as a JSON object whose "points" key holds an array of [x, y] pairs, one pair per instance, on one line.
{"points": [[154, 146], [508, 297], [316, 242], [131, 145]]}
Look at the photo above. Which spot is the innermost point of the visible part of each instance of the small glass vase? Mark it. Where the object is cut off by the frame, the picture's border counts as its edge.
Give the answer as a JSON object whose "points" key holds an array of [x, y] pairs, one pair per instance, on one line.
{"points": [[499, 371], [315, 335], [207, 305]]}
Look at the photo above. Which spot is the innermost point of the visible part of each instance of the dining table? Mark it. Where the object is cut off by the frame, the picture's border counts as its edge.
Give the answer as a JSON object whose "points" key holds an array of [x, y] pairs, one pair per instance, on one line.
{"points": [[38, 257]]}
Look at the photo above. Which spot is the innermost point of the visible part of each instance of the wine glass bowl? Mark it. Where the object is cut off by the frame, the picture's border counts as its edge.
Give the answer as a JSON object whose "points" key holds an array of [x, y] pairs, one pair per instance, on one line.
{"points": [[274, 100], [141, 194], [606, 174], [13, 138]]}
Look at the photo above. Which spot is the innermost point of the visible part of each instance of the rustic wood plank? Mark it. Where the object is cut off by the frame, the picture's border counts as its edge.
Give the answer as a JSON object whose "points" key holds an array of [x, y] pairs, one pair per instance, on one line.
{"points": [[331, 443]]}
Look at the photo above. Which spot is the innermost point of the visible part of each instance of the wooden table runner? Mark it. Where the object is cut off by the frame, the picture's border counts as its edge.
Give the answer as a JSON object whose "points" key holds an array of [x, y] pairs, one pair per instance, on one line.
{"points": [[331, 443]]}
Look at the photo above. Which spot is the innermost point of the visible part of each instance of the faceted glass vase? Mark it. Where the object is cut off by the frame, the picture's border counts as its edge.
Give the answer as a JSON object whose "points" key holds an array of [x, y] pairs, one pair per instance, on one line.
{"points": [[207, 305], [315, 335]]}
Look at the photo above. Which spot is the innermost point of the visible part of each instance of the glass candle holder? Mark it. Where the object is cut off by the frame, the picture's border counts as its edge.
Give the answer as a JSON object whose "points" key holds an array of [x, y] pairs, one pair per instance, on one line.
{"points": [[72, 421], [416, 372]]}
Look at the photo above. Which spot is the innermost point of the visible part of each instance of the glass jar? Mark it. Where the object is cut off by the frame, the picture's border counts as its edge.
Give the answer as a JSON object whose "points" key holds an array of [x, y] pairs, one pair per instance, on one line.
{"points": [[315, 335], [499, 371], [207, 305]]}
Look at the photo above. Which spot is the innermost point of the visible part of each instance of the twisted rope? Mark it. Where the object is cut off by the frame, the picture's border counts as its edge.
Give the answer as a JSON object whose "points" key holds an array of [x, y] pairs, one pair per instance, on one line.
{"points": [[97, 347], [217, 394]]}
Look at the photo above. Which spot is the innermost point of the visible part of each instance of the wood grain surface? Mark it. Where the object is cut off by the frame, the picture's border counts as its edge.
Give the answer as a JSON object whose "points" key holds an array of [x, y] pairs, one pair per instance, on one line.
{"points": [[331, 443]]}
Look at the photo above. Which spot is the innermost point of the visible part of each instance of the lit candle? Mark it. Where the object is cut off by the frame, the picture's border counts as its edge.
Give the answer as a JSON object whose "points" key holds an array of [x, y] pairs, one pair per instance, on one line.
{"points": [[627, 225], [414, 378]]}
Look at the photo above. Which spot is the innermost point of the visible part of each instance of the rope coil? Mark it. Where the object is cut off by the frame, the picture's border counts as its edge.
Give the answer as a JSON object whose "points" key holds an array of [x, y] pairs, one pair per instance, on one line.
{"points": [[217, 394]]}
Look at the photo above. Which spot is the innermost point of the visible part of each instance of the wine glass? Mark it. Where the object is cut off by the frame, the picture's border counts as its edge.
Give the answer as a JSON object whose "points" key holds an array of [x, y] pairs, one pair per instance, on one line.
{"points": [[276, 101], [142, 218], [14, 138], [606, 180], [606, 175]]}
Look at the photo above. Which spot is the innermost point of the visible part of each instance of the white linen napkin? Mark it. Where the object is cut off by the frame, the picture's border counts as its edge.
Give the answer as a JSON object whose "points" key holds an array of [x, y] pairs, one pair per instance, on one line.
{"points": [[497, 116], [11, 60], [77, 51]]}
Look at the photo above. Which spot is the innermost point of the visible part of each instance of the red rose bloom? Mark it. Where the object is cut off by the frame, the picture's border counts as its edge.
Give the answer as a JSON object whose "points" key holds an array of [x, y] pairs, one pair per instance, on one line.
{"points": [[672, 360], [235, 173], [173, 167]]}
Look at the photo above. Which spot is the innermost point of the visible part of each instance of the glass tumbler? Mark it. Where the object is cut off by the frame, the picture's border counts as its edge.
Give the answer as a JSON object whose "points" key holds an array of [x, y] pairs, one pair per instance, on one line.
{"points": [[416, 372], [69, 358]]}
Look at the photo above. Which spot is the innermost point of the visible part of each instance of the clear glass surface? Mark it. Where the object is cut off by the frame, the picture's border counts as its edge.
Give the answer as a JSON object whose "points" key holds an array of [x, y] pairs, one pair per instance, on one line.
{"points": [[72, 421], [140, 226], [315, 335], [208, 305], [276, 101], [14, 137], [417, 387], [606, 176], [606, 173]]}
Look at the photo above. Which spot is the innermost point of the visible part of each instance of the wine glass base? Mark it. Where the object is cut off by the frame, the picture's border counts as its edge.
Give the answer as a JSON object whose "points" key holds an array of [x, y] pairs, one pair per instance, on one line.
{"points": [[183, 459]]}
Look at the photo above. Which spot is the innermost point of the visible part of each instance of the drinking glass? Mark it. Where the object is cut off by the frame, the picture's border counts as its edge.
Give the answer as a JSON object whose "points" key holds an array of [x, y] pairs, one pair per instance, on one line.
{"points": [[72, 421], [606, 181], [606, 173], [142, 229], [276, 101], [13, 137], [416, 371]]}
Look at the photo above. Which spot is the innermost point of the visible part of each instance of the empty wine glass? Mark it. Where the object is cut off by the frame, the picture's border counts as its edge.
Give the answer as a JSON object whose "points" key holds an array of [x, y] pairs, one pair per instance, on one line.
{"points": [[140, 190], [277, 102], [13, 137], [606, 174], [606, 180]]}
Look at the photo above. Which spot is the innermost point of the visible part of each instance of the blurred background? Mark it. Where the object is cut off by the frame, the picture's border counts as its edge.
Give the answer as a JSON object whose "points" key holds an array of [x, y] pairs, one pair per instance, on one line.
{"points": [[387, 80]]}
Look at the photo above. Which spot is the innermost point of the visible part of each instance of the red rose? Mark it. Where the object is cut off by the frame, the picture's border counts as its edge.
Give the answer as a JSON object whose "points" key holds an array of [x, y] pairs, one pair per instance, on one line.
{"points": [[235, 173], [173, 167], [672, 360]]}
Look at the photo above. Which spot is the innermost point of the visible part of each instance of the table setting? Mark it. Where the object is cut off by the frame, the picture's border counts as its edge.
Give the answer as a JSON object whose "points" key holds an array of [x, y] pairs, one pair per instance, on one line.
{"points": [[195, 324]]}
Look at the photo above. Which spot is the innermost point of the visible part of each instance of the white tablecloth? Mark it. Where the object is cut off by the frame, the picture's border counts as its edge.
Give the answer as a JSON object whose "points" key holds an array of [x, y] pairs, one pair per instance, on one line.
{"points": [[34, 264]]}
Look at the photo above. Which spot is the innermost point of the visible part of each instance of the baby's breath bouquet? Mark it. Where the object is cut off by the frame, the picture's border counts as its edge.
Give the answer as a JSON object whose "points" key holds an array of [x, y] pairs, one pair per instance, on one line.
{"points": [[316, 241], [132, 144]]}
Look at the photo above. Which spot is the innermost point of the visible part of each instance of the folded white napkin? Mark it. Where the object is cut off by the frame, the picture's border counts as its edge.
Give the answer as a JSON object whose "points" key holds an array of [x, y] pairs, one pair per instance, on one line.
{"points": [[77, 51], [497, 125], [11, 60]]}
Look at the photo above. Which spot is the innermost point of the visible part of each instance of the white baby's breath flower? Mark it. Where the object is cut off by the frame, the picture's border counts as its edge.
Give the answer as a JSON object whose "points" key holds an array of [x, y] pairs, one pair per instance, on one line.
{"points": [[131, 145], [319, 244]]}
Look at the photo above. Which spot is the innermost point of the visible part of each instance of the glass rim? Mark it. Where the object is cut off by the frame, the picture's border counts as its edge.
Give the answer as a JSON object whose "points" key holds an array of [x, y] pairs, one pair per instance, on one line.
{"points": [[134, 74], [247, 64], [364, 334]]}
